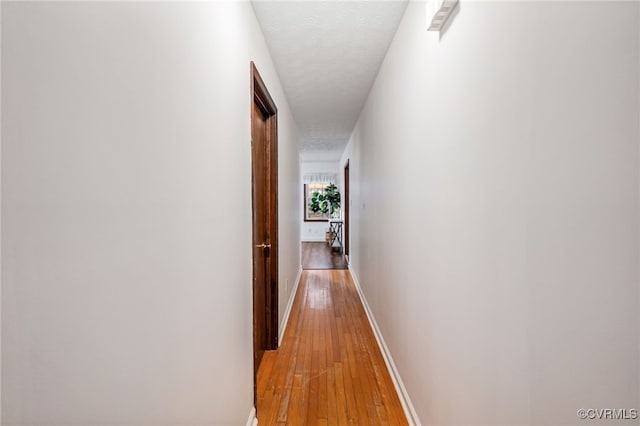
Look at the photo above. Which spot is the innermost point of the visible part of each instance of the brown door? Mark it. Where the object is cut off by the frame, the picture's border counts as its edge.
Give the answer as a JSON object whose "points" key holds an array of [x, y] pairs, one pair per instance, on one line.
{"points": [[346, 211], [265, 219]]}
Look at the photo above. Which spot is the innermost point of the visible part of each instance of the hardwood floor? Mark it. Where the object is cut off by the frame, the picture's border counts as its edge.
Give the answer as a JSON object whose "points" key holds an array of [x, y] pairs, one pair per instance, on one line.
{"points": [[320, 256], [329, 369]]}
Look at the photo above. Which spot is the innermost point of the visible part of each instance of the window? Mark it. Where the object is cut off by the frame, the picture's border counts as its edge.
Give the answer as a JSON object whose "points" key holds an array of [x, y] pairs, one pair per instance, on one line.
{"points": [[309, 189]]}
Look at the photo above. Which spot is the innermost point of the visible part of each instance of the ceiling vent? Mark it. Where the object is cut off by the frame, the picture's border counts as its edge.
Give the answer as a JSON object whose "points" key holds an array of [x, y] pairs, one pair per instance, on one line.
{"points": [[439, 12]]}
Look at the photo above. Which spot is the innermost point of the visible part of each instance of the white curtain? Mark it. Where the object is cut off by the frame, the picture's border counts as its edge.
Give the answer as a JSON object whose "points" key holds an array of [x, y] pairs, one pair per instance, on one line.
{"points": [[319, 178]]}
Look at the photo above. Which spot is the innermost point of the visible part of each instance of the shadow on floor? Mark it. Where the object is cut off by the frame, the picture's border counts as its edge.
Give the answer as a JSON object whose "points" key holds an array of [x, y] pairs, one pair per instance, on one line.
{"points": [[320, 256]]}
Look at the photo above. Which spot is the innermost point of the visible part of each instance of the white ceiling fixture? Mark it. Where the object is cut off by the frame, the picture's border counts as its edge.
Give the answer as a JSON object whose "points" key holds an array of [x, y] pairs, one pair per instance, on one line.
{"points": [[438, 13], [327, 54]]}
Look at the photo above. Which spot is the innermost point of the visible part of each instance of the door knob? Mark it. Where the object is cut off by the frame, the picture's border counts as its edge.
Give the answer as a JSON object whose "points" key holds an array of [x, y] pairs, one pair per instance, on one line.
{"points": [[262, 246]]}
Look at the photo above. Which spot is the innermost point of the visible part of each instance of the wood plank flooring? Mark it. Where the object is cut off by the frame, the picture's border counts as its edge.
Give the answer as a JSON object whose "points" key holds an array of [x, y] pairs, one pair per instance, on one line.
{"points": [[320, 256], [329, 369]]}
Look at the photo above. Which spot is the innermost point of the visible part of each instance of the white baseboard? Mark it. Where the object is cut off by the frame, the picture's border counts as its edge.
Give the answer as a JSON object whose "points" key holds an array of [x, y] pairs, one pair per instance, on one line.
{"points": [[315, 240], [287, 311], [409, 410], [253, 420]]}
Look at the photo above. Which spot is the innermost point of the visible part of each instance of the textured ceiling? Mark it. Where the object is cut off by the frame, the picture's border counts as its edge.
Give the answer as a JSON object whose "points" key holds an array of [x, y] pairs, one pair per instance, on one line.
{"points": [[327, 54]]}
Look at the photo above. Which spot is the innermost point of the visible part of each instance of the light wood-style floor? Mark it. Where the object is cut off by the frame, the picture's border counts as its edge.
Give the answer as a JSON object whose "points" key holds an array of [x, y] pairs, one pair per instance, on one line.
{"points": [[329, 369]]}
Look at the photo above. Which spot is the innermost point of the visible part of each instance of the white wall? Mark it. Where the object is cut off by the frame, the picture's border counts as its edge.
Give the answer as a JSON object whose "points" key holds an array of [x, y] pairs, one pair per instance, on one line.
{"points": [[314, 231], [126, 211], [498, 210]]}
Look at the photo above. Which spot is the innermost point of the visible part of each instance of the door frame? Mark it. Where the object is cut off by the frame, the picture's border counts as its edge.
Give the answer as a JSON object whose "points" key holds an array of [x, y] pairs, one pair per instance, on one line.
{"points": [[346, 211], [260, 96]]}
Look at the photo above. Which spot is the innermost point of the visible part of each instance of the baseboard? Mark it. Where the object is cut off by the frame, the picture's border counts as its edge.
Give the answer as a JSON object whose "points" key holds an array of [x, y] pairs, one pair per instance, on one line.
{"points": [[409, 410], [253, 420], [315, 240], [287, 311]]}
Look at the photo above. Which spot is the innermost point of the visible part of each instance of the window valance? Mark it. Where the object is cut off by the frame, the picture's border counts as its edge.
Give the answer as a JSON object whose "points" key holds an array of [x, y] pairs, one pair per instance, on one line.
{"points": [[325, 178]]}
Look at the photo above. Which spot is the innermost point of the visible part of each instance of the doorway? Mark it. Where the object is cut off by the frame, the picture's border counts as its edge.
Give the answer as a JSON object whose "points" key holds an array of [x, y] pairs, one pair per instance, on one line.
{"points": [[264, 188], [346, 211]]}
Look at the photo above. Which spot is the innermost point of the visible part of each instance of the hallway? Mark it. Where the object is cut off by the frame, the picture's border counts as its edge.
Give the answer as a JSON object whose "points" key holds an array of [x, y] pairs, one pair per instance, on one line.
{"points": [[329, 369], [489, 176], [317, 255]]}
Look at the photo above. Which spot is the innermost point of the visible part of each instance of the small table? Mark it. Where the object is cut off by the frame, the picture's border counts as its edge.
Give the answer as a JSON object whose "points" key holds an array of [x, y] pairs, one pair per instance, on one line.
{"points": [[335, 234]]}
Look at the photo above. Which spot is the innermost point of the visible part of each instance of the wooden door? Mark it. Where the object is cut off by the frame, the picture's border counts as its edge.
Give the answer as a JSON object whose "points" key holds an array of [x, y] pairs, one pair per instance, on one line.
{"points": [[264, 143], [346, 211]]}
